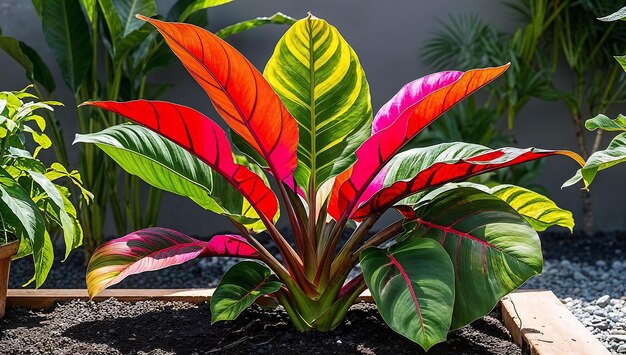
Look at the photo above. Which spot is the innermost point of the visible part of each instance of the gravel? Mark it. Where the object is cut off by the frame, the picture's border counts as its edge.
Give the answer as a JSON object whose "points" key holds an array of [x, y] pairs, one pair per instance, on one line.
{"points": [[588, 274]]}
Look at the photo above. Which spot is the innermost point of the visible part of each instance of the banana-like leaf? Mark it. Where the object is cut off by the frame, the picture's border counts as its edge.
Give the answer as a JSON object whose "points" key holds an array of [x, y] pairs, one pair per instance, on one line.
{"points": [[278, 19], [34, 67], [493, 249], [127, 9], [238, 91], [376, 151], [202, 137], [20, 212], [167, 166], [422, 168], [182, 9], [153, 249], [240, 286], [412, 283], [319, 78], [537, 209], [614, 154], [67, 34]]}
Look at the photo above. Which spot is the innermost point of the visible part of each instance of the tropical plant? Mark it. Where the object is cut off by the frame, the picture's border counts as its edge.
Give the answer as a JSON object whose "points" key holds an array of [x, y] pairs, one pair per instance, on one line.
{"points": [[615, 153], [104, 52], [33, 206], [308, 123]]}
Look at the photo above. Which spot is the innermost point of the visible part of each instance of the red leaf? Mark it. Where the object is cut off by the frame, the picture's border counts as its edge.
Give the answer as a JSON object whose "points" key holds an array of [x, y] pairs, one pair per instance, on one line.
{"points": [[202, 137], [375, 152], [444, 172], [238, 91]]}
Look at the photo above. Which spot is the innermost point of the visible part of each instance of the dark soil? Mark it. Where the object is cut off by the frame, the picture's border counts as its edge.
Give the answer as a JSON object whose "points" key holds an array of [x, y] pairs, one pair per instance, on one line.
{"points": [[113, 327]]}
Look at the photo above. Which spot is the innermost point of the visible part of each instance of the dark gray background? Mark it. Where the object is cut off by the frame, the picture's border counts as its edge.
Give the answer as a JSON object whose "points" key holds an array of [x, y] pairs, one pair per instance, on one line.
{"points": [[387, 36]]}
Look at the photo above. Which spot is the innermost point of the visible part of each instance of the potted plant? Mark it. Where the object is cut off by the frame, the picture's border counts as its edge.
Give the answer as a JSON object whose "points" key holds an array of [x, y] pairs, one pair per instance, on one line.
{"points": [[307, 123], [33, 205]]}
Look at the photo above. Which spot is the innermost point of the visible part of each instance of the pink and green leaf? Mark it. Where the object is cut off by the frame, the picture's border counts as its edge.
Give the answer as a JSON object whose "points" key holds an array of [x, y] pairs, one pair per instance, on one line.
{"points": [[412, 283], [422, 168], [203, 138], [153, 249], [437, 97], [238, 91], [493, 248]]}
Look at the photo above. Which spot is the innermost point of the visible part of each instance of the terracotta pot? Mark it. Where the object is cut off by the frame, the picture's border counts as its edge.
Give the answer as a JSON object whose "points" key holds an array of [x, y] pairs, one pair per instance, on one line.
{"points": [[6, 252]]}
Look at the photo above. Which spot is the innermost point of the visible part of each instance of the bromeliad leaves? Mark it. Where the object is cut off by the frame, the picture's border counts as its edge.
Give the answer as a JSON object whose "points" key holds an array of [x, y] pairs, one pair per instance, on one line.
{"points": [[153, 249], [239, 93], [318, 77], [203, 138]]}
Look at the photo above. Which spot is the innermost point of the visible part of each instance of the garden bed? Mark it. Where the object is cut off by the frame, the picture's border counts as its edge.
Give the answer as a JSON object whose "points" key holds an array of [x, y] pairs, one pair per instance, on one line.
{"points": [[159, 327]]}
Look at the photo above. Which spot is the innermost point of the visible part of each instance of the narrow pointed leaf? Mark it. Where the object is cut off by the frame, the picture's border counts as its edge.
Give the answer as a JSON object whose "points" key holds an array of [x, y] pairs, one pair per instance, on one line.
{"points": [[423, 168], [17, 207], [202, 137], [153, 249], [375, 152], [34, 67], [167, 166], [127, 9], [277, 19], [239, 93], [67, 35], [319, 78], [617, 15], [412, 283], [493, 249], [182, 9], [240, 286]]}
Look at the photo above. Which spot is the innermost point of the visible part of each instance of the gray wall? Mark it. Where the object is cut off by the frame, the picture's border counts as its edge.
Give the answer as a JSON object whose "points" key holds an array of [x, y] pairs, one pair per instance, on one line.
{"points": [[387, 36]]}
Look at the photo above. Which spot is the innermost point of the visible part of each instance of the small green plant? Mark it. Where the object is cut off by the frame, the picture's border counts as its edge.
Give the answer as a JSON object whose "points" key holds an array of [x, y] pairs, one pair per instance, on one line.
{"points": [[615, 153], [308, 123], [105, 53], [33, 206]]}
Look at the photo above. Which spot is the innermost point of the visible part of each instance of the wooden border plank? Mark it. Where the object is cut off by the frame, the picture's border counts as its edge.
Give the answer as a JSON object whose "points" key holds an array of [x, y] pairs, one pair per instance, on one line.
{"points": [[541, 325], [42, 298]]}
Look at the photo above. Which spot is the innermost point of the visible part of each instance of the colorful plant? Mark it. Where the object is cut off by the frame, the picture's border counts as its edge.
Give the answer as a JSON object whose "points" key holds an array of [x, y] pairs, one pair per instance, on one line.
{"points": [[308, 123], [105, 53], [32, 205]]}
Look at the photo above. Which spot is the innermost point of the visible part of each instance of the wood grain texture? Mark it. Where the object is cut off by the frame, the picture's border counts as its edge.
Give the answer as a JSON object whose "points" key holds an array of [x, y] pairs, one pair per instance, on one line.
{"points": [[541, 325]]}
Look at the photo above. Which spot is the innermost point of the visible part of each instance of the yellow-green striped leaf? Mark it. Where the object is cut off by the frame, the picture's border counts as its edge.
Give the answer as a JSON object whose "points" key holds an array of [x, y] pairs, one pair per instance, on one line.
{"points": [[318, 77]]}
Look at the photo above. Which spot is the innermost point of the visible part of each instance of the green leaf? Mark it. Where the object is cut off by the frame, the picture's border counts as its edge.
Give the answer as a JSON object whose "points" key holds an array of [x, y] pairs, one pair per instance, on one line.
{"points": [[614, 154], [621, 59], [58, 205], [127, 9], [321, 82], [29, 59], [17, 207], [167, 166], [493, 249], [91, 7], [278, 18], [240, 286], [67, 34], [182, 9], [412, 283], [617, 15], [605, 123]]}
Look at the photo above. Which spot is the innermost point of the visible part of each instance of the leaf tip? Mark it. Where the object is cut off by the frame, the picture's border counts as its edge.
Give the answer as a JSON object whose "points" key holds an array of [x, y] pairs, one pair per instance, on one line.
{"points": [[142, 18]]}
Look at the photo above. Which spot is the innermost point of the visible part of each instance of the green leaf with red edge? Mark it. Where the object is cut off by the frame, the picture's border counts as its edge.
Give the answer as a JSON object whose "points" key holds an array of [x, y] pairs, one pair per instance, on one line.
{"points": [[167, 166], [412, 283], [415, 107], [419, 169], [203, 138], [239, 93], [153, 249], [494, 250], [240, 286]]}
